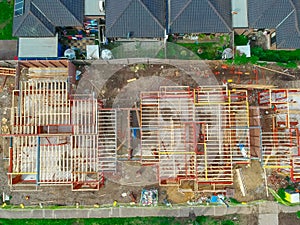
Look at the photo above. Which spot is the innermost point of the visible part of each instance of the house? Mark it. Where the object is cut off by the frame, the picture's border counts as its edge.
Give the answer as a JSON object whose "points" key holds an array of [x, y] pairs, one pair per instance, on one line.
{"points": [[41, 18], [194, 16], [152, 19], [135, 18], [36, 23], [283, 16]]}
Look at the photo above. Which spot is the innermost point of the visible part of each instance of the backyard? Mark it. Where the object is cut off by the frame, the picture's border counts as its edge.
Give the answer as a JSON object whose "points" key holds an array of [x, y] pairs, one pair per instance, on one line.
{"points": [[6, 19]]}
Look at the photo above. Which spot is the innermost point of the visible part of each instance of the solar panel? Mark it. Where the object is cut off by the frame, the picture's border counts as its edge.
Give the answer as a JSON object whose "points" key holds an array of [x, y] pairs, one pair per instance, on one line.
{"points": [[19, 7]]}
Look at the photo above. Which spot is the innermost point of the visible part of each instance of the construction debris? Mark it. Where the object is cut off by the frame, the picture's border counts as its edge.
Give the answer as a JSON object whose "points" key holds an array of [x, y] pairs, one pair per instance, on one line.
{"points": [[149, 197]]}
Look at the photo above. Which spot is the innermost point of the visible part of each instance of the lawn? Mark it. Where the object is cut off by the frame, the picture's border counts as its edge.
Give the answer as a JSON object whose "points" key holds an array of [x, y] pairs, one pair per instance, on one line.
{"points": [[203, 220], [210, 50], [6, 20], [102, 221]]}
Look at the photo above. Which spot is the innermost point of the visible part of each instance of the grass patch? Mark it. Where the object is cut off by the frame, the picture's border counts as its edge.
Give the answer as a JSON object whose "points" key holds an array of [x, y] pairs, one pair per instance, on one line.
{"points": [[203, 220], [176, 51], [210, 50], [102, 221], [279, 197], [6, 20], [298, 214]]}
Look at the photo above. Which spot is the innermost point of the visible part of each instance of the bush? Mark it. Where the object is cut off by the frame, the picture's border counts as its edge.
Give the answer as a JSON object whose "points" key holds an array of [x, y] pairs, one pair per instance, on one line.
{"points": [[240, 40], [281, 193], [282, 56]]}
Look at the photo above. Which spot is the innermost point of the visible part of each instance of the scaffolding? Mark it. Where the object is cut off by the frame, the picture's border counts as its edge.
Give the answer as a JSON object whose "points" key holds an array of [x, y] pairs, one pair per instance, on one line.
{"points": [[194, 135]]}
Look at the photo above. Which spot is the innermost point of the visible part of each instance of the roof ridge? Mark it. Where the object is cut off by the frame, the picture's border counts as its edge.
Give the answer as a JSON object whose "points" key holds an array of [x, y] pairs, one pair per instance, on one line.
{"points": [[154, 17], [296, 13], [120, 14], [219, 15], [32, 3], [69, 11], [179, 13]]}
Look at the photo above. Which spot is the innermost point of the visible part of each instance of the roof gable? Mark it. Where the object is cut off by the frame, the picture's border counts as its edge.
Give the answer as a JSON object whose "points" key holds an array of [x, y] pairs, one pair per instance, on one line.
{"points": [[205, 16], [56, 12], [33, 27], [134, 17], [48, 15]]}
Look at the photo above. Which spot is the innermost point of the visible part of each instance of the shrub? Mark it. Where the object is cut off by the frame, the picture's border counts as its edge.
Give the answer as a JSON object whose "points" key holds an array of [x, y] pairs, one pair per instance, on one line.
{"points": [[240, 40]]}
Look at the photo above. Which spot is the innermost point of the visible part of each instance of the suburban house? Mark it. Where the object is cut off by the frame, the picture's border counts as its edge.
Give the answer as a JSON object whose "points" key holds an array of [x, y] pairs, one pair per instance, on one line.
{"points": [[39, 25], [283, 16], [40, 22], [153, 18], [209, 16], [135, 18]]}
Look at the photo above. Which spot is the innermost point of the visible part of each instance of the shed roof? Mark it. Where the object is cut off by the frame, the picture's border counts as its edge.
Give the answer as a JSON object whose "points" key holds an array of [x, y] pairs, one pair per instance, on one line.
{"points": [[239, 13], [91, 8], [44, 47]]}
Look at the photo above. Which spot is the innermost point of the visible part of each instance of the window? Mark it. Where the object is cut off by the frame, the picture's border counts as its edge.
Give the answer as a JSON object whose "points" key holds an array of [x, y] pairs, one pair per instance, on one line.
{"points": [[19, 7]]}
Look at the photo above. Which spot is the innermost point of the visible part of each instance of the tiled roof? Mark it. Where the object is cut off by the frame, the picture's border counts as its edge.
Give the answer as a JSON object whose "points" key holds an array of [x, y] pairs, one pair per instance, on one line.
{"points": [[205, 16], [135, 18], [41, 17], [282, 15]]}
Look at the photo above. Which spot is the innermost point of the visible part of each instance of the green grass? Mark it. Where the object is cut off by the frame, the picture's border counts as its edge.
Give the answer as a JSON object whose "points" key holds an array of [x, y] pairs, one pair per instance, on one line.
{"points": [[209, 49], [102, 221], [203, 220], [6, 20], [298, 214]]}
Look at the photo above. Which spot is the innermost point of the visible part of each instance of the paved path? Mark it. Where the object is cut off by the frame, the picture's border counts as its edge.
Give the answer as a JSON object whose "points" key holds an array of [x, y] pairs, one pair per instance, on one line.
{"points": [[268, 212]]}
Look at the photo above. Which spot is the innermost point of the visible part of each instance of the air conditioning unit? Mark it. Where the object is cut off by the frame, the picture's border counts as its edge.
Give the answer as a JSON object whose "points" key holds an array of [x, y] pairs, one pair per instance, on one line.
{"points": [[102, 5]]}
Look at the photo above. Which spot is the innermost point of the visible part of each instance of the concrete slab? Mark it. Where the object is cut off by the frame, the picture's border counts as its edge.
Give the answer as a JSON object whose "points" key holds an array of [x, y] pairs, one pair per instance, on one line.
{"points": [[267, 219], [268, 208]]}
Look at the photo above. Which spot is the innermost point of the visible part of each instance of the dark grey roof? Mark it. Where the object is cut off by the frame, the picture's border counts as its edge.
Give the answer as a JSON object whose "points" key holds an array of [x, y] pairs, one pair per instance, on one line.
{"points": [[282, 15], [205, 16], [287, 34], [41, 17], [139, 18]]}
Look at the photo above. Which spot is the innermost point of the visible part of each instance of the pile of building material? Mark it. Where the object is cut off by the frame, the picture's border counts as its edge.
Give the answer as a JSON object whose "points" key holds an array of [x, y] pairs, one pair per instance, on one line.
{"points": [[149, 197]]}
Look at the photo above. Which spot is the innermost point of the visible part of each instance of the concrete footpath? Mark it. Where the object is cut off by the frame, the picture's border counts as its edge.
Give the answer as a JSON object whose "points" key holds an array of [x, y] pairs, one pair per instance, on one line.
{"points": [[267, 212]]}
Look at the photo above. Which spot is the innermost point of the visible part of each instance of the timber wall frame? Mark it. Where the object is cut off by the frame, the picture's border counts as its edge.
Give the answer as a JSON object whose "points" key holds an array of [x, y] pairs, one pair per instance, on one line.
{"points": [[280, 146], [54, 138], [194, 135]]}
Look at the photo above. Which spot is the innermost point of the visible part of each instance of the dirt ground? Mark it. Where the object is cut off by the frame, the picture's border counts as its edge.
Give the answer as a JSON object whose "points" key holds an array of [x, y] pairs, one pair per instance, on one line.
{"points": [[254, 182], [111, 90], [288, 219]]}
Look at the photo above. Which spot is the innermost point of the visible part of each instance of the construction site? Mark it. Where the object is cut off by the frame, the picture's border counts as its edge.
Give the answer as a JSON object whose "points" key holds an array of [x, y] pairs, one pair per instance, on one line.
{"points": [[119, 126]]}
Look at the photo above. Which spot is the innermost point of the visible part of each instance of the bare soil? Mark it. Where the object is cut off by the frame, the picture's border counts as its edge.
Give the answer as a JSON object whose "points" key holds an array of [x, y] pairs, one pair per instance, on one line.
{"points": [[288, 219]]}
